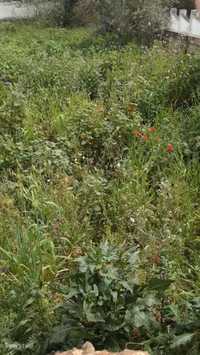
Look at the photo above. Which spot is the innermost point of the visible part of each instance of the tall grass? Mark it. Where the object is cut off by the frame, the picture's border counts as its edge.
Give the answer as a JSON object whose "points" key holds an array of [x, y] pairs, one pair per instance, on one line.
{"points": [[99, 151]]}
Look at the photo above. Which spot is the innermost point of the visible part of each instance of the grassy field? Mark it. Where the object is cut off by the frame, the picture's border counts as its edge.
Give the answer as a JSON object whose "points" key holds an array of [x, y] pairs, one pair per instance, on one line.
{"points": [[99, 193]]}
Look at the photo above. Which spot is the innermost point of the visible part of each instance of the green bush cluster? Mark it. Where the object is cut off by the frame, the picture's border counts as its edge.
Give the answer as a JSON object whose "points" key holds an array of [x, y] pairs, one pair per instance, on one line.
{"points": [[126, 18], [99, 193]]}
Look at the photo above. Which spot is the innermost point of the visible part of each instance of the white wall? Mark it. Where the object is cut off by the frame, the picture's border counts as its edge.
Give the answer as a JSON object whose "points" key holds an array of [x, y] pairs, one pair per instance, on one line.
{"points": [[15, 9], [9, 10], [181, 23]]}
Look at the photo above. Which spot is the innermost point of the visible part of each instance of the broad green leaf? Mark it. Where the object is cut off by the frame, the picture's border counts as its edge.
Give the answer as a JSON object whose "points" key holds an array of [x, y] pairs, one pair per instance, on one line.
{"points": [[159, 285]]}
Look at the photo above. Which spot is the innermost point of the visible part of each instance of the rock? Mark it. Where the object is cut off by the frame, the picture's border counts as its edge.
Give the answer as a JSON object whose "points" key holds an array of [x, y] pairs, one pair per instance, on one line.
{"points": [[88, 349]]}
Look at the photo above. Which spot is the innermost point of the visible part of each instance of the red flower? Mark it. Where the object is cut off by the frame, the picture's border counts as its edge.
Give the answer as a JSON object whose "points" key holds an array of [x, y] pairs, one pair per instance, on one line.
{"points": [[151, 129], [141, 135], [170, 148], [137, 133], [145, 137]]}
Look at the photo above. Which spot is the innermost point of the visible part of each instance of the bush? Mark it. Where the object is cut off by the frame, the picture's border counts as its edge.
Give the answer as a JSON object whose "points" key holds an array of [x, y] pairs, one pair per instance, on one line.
{"points": [[130, 18], [107, 300], [85, 12]]}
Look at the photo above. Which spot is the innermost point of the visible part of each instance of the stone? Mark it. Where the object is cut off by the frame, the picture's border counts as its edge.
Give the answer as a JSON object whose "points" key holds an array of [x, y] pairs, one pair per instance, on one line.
{"points": [[88, 349]]}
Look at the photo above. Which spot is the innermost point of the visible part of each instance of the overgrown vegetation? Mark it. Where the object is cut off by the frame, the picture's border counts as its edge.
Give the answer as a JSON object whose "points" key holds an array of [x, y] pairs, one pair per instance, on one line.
{"points": [[125, 18], [142, 20], [99, 193]]}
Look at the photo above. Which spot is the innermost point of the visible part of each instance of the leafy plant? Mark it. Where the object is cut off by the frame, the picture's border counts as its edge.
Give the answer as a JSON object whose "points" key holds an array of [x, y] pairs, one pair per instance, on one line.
{"points": [[106, 301]]}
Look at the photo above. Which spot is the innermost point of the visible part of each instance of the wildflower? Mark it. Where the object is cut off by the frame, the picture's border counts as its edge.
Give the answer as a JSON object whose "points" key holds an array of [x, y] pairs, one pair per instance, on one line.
{"points": [[137, 134], [145, 137], [151, 129], [141, 135], [170, 148]]}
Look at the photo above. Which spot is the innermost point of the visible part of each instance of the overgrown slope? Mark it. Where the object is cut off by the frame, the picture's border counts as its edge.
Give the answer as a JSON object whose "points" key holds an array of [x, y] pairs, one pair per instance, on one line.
{"points": [[99, 160]]}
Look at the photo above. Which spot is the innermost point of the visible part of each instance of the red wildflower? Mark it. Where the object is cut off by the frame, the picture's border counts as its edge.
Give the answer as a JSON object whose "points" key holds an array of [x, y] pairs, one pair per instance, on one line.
{"points": [[170, 148], [145, 137], [137, 133], [141, 135], [151, 129]]}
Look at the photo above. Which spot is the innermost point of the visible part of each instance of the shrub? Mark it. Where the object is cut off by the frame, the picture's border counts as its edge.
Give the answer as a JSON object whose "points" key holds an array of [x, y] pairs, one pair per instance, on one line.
{"points": [[106, 302], [85, 12], [175, 83], [130, 17]]}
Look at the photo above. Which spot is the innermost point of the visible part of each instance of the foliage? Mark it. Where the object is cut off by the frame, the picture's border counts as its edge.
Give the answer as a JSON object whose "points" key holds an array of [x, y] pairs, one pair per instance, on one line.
{"points": [[99, 161], [185, 4], [128, 17], [107, 299]]}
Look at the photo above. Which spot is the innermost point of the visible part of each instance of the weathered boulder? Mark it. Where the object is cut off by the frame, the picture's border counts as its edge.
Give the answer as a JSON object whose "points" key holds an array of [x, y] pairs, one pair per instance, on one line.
{"points": [[88, 349]]}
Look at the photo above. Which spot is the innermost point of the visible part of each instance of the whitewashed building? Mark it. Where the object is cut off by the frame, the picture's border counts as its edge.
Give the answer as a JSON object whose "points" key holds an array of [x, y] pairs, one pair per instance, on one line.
{"points": [[182, 23]]}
